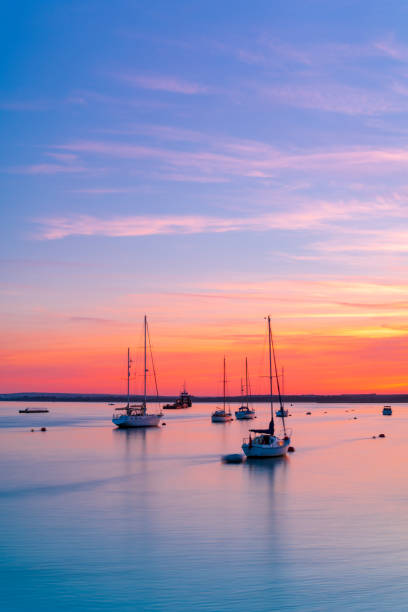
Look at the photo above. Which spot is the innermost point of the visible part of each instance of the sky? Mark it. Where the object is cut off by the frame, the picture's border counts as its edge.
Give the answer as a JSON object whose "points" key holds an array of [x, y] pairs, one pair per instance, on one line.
{"points": [[207, 164]]}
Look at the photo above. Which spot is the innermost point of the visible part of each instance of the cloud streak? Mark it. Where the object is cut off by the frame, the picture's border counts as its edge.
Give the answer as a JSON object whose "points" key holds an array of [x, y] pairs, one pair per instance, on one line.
{"points": [[163, 83], [315, 216]]}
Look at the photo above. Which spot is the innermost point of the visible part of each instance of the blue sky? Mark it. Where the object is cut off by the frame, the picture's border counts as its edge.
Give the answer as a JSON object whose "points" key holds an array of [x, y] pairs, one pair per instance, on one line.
{"points": [[202, 148]]}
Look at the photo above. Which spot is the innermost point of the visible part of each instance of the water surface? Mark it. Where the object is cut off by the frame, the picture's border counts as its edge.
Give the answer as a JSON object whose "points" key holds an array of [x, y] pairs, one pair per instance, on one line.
{"points": [[94, 518]]}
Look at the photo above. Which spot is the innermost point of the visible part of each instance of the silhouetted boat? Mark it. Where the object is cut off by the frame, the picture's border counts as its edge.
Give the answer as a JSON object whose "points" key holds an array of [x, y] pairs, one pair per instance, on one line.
{"points": [[266, 443], [136, 415], [183, 401], [33, 410], [387, 411]]}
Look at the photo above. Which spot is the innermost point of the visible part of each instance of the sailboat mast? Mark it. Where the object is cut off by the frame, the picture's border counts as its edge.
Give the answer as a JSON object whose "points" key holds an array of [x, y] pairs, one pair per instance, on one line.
{"points": [[246, 381], [128, 378], [270, 364], [224, 385], [145, 359]]}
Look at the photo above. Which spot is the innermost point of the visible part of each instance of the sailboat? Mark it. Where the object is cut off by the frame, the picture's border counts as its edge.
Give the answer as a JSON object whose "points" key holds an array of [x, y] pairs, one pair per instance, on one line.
{"points": [[221, 415], [136, 415], [282, 412], [245, 412], [266, 443]]}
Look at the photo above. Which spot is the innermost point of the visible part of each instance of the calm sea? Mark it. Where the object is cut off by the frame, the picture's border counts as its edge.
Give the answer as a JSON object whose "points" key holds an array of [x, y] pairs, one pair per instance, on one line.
{"points": [[98, 519]]}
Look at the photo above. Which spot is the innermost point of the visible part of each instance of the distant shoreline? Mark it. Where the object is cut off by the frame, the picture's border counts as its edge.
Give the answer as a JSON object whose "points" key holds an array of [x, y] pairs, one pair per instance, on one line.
{"points": [[368, 398]]}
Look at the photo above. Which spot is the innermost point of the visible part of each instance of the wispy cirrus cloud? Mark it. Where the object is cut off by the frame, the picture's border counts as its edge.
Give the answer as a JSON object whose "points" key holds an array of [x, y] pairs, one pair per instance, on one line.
{"points": [[247, 158], [163, 83], [38, 169], [302, 217]]}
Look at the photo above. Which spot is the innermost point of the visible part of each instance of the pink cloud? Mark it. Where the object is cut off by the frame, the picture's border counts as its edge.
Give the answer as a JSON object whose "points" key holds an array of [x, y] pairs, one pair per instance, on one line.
{"points": [[314, 216], [46, 169], [163, 83]]}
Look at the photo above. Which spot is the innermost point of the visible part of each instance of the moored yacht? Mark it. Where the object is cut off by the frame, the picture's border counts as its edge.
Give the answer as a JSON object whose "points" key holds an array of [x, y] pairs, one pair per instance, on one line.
{"points": [[266, 443], [222, 415], [136, 415], [282, 412], [244, 412]]}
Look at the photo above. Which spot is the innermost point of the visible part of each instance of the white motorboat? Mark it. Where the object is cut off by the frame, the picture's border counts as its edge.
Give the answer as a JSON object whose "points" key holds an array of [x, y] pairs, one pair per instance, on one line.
{"points": [[244, 412], [266, 443], [222, 415], [136, 415]]}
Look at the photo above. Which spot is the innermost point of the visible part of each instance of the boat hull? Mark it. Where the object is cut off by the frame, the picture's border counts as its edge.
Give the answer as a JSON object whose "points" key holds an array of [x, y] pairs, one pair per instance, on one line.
{"points": [[143, 420], [265, 451], [244, 416], [217, 418]]}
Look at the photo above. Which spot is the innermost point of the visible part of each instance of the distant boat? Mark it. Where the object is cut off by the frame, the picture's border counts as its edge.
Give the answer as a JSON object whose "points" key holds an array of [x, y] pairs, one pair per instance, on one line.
{"points": [[136, 415], [245, 413], [33, 410], [266, 443], [282, 412], [183, 401], [111, 404], [387, 411], [221, 415]]}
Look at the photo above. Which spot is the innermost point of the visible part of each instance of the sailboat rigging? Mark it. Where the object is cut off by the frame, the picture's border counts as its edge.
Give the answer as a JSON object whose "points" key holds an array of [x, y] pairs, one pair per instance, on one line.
{"points": [[266, 443], [221, 415], [136, 415]]}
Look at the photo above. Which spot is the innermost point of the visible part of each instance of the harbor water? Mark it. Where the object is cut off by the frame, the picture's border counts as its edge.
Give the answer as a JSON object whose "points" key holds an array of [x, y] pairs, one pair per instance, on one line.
{"points": [[98, 519]]}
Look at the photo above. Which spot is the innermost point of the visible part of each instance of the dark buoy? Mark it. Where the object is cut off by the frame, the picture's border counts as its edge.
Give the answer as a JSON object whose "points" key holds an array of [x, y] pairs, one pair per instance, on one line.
{"points": [[354, 418], [43, 429], [291, 449], [381, 435], [32, 430], [163, 424], [233, 458], [374, 437], [308, 413]]}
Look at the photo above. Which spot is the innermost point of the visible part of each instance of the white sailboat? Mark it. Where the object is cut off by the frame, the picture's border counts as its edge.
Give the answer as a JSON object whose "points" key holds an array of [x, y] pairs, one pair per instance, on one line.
{"points": [[266, 443], [245, 413], [136, 415], [221, 415]]}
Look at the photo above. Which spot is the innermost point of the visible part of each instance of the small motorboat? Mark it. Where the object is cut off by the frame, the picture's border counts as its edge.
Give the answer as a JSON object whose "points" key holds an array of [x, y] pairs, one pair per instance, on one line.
{"points": [[387, 411], [282, 412], [183, 401], [33, 411], [244, 413]]}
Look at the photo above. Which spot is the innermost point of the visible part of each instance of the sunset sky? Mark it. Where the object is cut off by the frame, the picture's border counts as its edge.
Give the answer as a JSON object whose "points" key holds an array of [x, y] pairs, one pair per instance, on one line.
{"points": [[206, 163]]}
